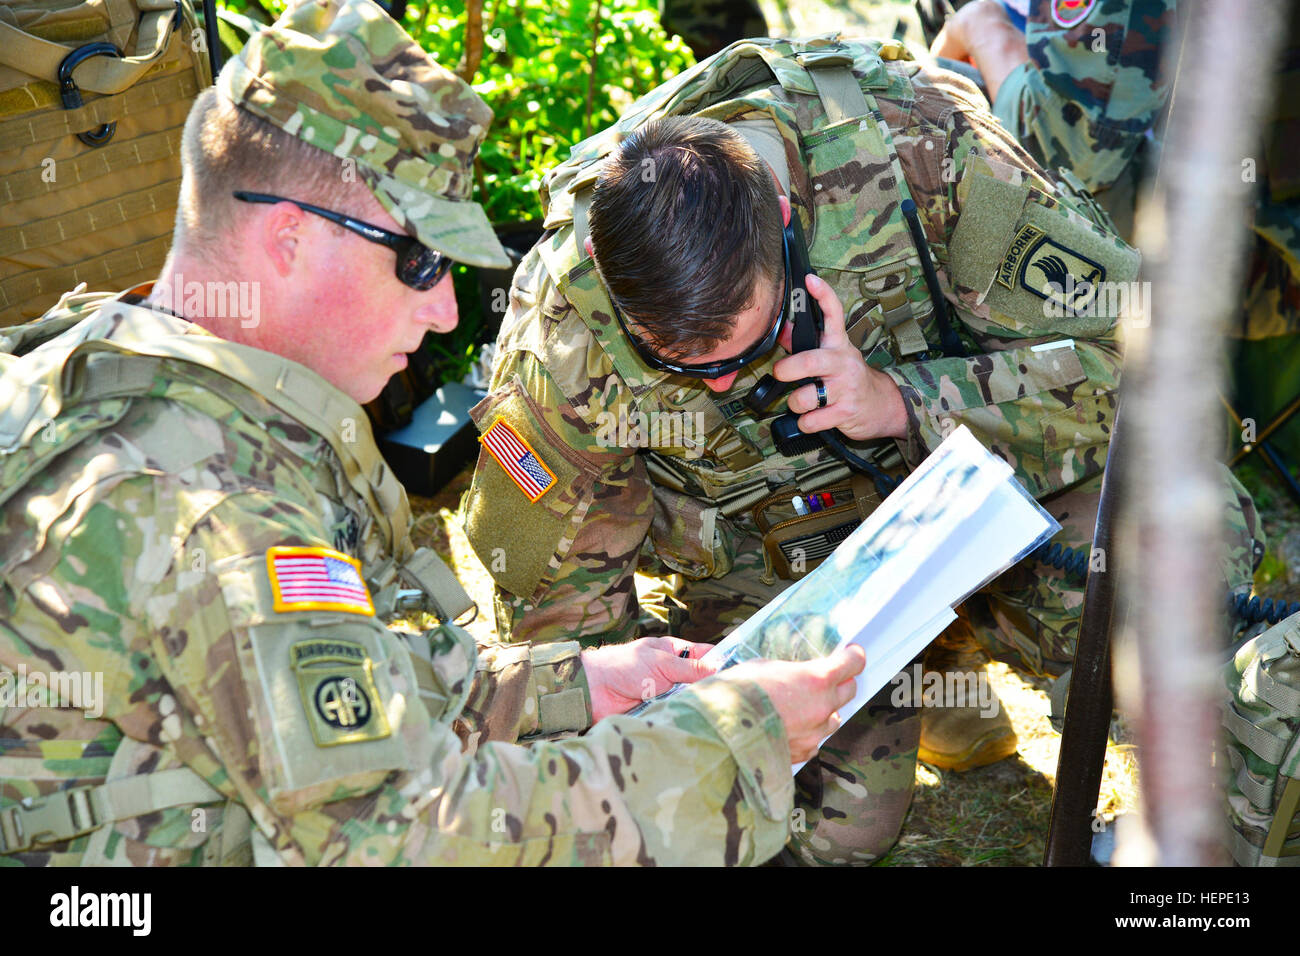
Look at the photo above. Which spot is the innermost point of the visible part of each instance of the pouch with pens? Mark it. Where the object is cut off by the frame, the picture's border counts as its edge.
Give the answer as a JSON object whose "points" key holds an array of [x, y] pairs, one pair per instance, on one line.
{"points": [[800, 529]]}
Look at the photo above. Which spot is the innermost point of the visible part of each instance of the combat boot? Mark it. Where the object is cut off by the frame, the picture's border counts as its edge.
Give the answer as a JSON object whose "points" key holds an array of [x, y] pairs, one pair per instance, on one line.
{"points": [[961, 728]]}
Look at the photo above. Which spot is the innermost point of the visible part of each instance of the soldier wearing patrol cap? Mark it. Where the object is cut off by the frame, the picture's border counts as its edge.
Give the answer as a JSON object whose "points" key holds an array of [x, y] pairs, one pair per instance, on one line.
{"points": [[193, 512]]}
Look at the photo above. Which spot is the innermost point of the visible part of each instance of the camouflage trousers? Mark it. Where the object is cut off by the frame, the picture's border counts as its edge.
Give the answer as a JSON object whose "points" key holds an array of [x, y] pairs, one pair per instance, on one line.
{"points": [[1029, 616], [850, 800]]}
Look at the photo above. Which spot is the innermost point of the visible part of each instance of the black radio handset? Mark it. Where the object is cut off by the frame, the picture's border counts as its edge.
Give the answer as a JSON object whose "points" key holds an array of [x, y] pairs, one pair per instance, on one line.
{"points": [[808, 323], [806, 319]]}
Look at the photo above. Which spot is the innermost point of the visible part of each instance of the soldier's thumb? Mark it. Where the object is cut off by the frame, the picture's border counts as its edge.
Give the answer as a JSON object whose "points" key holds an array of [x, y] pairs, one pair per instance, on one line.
{"points": [[847, 661]]}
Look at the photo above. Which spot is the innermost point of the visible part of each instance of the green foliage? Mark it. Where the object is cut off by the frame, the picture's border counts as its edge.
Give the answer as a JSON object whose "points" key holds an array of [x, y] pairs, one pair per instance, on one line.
{"points": [[1271, 569], [553, 73]]}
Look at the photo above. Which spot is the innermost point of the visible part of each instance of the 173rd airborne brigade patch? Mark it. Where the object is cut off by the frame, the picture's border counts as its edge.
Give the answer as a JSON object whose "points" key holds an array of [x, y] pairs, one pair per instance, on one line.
{"points": [[1061, 276]]}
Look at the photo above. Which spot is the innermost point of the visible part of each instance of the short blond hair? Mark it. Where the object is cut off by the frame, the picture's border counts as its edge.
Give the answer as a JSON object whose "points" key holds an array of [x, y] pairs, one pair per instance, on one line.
{"points": [[225, 148]]}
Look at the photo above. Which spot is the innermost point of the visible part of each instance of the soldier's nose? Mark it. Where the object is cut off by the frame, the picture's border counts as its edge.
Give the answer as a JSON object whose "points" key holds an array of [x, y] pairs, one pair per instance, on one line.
{"points": [[437, 307], [786, 338], [721, 384]]}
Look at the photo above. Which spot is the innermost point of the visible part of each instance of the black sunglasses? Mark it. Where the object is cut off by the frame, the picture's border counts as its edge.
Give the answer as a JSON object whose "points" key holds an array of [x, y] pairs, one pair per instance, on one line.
{"points": [[418, 266], [726, 366]]}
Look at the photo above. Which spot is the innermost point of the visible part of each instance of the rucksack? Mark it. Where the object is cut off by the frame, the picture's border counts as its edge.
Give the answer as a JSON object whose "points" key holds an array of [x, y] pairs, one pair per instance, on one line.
{"points": [[1262, 747], [93, 99]]}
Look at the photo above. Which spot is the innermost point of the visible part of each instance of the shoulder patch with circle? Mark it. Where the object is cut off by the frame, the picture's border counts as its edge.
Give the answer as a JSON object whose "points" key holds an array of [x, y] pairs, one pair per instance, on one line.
{"points": [[337, 685], [1067, 13]]}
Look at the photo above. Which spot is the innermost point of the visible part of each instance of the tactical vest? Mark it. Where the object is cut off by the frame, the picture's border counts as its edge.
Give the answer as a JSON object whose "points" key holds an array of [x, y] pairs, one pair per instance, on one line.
{"points": [[71, 375], [93, 99], [821, 96], [1261, 717]]}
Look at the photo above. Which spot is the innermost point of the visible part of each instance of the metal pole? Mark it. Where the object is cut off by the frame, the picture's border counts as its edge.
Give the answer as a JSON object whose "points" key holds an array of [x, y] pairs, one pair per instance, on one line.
{"points": [[1278, 421], [1271, 456], [212, 36], [1193, 233], [1088, 707]]}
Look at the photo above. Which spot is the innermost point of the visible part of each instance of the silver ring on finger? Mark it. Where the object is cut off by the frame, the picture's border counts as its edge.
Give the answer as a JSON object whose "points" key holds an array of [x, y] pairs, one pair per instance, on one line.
{"points": [[821, 392]]}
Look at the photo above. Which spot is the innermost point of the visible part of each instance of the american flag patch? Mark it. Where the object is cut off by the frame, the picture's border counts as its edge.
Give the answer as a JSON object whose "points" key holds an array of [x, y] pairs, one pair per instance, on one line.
{"points": [[519, 460], [317, 579]]}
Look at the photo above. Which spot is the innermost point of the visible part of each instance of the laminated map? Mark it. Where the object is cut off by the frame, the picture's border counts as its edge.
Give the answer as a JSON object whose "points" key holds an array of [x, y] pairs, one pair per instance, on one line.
{"points": [[955, 523]]}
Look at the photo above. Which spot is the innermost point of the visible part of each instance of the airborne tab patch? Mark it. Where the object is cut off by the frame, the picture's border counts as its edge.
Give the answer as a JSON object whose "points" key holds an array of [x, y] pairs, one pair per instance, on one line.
{"points": [[516, 456], [1023, 242], [337, 686], [317, 579], [1061, 276]]}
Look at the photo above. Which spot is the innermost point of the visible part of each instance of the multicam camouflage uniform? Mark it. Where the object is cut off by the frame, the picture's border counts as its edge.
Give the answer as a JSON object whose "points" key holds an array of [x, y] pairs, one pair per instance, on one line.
{"points": [[162, 489], [1091, 91], [564, 560], [1087, 101]]}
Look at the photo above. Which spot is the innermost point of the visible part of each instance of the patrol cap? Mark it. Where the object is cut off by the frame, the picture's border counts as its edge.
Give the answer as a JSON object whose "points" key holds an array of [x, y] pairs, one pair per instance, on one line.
{"points": [[345, 77]]}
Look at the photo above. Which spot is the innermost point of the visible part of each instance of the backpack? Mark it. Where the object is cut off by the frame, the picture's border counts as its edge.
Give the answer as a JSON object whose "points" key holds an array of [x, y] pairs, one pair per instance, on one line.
{"points": [[93, 99], [1262, 747]]}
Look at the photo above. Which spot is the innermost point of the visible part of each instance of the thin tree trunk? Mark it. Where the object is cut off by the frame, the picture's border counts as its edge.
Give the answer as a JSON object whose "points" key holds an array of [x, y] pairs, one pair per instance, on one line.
{"points": [[1193, 232], [473, 40], [591, 71]]}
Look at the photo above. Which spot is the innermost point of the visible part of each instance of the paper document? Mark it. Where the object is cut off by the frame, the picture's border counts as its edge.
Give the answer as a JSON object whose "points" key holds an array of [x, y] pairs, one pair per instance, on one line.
{"points": [[955, 523]]}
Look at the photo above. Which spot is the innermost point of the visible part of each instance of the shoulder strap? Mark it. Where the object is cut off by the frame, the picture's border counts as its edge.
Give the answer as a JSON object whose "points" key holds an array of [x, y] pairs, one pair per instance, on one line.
{"points": [[293, 389], [100, 74], [89, 367], [89, 370], [430, 574], [838, 89], [75, 812]]}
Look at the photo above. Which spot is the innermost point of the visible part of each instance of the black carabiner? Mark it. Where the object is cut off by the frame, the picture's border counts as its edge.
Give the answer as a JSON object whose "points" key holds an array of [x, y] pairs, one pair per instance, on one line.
{"points": [[71, 96]]}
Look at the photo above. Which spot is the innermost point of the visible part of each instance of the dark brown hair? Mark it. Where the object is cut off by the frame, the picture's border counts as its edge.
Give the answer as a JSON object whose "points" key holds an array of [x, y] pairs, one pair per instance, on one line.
{"points": [[684, 221]]}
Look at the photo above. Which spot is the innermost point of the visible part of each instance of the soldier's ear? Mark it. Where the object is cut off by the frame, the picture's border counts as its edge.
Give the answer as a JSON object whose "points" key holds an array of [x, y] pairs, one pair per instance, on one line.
{"points": [[591, 250], [279, 234], [785, 210]]}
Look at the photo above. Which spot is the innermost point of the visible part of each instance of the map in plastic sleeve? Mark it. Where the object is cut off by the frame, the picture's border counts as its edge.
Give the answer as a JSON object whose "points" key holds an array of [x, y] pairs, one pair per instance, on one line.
{"points": [[955, 523]]}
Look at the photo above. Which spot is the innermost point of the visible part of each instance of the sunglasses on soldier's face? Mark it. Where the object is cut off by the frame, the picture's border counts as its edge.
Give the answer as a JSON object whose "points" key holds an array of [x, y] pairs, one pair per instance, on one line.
{"points": [[726, 366], [418, 266]]}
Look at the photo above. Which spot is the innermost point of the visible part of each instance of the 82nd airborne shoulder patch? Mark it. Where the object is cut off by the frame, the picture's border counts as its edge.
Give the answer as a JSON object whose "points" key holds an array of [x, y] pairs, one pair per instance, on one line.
{"points": [[513, 453], [337, 685]]}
